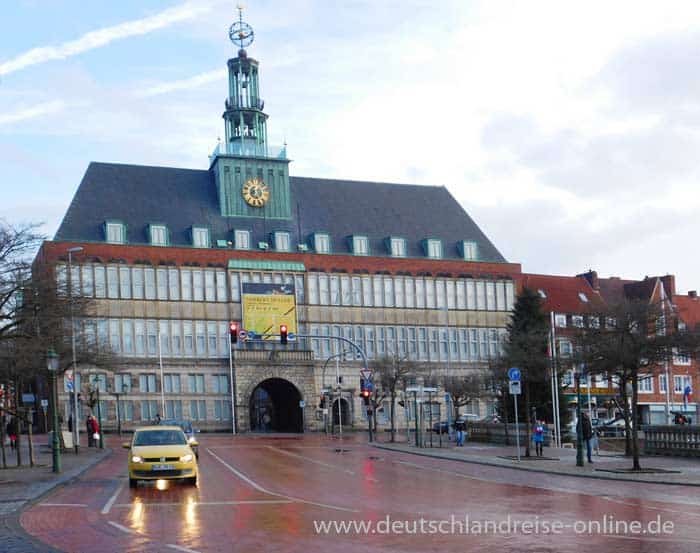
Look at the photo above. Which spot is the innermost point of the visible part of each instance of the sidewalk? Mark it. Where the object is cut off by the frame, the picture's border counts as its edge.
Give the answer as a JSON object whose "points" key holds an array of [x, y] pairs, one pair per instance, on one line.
{"points": [[681, 470], [21, 486]]}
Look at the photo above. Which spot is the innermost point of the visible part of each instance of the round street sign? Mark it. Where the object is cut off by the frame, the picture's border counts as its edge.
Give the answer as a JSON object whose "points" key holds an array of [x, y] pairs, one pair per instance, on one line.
{"points": [[514, 373], [242, 334]]}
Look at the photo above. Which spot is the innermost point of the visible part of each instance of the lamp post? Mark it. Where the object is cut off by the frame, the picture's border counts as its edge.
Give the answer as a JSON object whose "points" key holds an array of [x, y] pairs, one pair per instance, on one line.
{"points": [[76, 422], [52, 366], [96, 382], [119, 416], [579, 422]]}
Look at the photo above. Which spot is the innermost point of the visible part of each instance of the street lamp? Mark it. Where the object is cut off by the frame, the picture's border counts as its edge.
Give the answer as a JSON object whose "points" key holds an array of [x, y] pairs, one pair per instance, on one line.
{"points": [[76, 422], [579, 422], [119, 417], [52, 366], [96, 382]]}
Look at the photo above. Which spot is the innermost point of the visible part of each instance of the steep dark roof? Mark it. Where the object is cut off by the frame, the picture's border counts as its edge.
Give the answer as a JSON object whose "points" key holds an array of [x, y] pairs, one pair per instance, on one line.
{"points": [[179, 198]]}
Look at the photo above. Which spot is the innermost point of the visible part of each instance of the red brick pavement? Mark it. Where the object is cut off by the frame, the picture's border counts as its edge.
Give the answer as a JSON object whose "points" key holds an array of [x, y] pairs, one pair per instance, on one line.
{"points": [[263, 494]]}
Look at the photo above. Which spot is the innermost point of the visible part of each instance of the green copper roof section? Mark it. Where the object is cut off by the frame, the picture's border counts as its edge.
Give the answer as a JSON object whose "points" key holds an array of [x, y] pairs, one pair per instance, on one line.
{"points": [[257, 265]]}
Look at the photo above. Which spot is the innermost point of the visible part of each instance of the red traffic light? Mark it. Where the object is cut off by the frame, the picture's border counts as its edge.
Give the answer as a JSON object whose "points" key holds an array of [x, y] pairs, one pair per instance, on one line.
{"points": [[283, 334], [233, 331]]}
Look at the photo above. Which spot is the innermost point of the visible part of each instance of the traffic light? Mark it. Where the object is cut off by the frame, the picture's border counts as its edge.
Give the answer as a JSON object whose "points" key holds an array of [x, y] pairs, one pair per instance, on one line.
{"points": [[233, 330], [283, 334], [365, 390]]}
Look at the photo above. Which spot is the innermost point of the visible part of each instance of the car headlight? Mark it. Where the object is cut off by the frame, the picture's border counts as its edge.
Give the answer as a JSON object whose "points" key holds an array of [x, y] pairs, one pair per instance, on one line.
{"points": [[191, 440], [186, 458], [136, 459]]}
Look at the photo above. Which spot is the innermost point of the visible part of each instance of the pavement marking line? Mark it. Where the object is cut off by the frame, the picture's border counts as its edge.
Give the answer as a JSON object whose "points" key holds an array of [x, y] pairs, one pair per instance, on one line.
{"points": [[63, 505], [181, 548], [275, 494], [651, 507], [208, 503], [309, 459], [108, 506], [120, 527]]}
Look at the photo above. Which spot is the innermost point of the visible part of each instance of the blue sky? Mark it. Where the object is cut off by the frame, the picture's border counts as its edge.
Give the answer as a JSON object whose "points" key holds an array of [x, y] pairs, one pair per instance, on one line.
{"points": [[568, 130]]}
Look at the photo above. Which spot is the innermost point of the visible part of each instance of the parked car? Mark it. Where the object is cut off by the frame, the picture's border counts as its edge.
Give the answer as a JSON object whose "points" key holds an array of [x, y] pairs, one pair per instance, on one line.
{"points": [[442, 426], [611, 428]]}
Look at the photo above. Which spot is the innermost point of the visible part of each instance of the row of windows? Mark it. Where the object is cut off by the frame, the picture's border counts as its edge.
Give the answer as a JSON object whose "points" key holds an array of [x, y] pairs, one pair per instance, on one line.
{"points": [[645, 384], [159, 235], [148, 410], [150, 383], [409, 292], [412, 342], [218, 285], [153, 338], [174, 284]]}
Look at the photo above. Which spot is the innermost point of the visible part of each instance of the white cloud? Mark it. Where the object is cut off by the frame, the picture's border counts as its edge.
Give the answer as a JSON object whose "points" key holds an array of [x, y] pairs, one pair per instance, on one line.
{"points": [[185, 84], [102, 37], [31, 112]]}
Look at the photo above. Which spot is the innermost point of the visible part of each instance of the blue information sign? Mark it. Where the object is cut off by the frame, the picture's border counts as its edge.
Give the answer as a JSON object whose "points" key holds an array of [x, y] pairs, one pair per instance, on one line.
{"points": [[514, 373]]}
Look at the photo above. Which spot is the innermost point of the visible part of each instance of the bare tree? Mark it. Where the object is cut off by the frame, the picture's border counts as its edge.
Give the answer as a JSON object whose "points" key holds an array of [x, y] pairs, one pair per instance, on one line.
{"points": [[632, 342], [35, 316], [466, 388], [393, 370]]}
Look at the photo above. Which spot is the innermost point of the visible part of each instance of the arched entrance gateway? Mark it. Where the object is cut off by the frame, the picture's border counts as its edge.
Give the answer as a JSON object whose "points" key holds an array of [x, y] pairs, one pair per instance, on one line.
{"points": [[274, 407]]}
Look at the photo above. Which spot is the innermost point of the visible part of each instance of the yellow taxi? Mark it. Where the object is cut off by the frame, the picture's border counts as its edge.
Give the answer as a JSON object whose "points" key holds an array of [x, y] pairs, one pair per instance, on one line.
{"points": [[161, 453]]}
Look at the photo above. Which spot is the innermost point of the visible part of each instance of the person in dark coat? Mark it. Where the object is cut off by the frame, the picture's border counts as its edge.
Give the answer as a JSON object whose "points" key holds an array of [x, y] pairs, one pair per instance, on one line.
{"points": [[586, 430]]}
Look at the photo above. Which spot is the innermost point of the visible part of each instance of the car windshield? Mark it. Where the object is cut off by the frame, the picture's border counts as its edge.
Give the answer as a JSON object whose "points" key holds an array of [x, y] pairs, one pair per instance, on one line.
{"points": [[160, 437]]}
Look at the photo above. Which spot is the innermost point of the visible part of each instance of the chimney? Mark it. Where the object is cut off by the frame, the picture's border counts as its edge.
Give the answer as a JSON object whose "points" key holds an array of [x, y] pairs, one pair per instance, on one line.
{"points": [[669, 282], [592, 277], [692, 294]]}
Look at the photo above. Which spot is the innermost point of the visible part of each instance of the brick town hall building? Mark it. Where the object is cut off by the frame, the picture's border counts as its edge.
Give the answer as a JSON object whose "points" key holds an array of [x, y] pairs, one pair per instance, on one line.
{"points": [[169, 254]]}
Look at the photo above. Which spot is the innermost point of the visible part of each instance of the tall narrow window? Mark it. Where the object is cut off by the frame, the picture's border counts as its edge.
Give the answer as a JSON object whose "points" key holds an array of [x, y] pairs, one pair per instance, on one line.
{"points": [[125, 282], [137, 281], [112, 282], [398, 247], [159, 235], [186, 283], [198, 285], [174, 284], [360, 245], [100, 285], [200, 237], [115, 233], [150, 277], [209, 286], [282, 241], [162, 277], [88, 288], [241, 239], [322, 243]]}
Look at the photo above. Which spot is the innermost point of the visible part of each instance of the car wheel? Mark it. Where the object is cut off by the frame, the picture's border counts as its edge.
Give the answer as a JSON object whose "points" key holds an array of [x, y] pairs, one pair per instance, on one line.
{"points": [[133, 482], [192, 481]]}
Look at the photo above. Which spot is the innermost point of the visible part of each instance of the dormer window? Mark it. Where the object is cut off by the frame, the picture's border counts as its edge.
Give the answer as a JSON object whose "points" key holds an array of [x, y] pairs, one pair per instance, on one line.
{"points": [[115, 232], [468, 250], [397, 247], [360, 245], [200, 237], [158, 235], [241, 239], [322, 242], [433, 248], [281, 241]]}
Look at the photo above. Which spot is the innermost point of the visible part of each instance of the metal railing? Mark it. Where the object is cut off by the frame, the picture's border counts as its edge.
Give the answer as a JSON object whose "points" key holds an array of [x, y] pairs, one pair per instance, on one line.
{"points": [[672, 439], [249, 148]]}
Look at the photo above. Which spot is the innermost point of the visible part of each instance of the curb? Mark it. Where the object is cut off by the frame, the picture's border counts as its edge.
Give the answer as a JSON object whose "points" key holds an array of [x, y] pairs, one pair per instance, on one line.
{"points": [[15, 537], [529, 469]]}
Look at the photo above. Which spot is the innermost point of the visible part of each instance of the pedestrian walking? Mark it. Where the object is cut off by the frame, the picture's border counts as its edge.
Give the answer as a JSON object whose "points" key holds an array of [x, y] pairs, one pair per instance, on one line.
{"points": [[70, 423], [91, 428], [584, 426], [460, 427], [12, 433], [538, 437], [157, 418]]}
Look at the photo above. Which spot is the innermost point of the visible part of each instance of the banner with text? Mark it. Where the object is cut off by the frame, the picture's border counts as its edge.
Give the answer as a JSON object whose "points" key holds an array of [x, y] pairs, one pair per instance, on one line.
{"points": [[266, 306]]}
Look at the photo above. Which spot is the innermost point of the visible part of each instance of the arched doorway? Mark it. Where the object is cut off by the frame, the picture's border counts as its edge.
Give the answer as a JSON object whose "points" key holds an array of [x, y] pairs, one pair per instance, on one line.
{"points": [[342, 414], [274, 407]]}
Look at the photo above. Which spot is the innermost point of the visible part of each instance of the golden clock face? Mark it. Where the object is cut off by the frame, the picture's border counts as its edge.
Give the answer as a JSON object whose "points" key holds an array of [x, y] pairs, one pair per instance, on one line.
{"points": [[255, 192]]}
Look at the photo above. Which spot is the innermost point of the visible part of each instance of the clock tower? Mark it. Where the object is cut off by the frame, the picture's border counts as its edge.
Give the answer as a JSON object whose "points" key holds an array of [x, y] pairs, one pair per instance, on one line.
{"points": [[252, 176]]}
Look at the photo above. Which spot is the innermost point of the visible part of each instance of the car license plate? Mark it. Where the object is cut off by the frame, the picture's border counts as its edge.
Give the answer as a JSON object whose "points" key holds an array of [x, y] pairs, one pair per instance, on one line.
{"points": [[163, 467]]}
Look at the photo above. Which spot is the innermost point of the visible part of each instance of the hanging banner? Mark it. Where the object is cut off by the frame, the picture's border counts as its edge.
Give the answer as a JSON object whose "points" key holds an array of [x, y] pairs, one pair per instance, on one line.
{"points": [[266, 306]]}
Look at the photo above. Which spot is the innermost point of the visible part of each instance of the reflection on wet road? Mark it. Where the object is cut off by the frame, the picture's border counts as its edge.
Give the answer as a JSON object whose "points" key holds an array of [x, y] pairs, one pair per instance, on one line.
{"points": [[309, 494]]}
